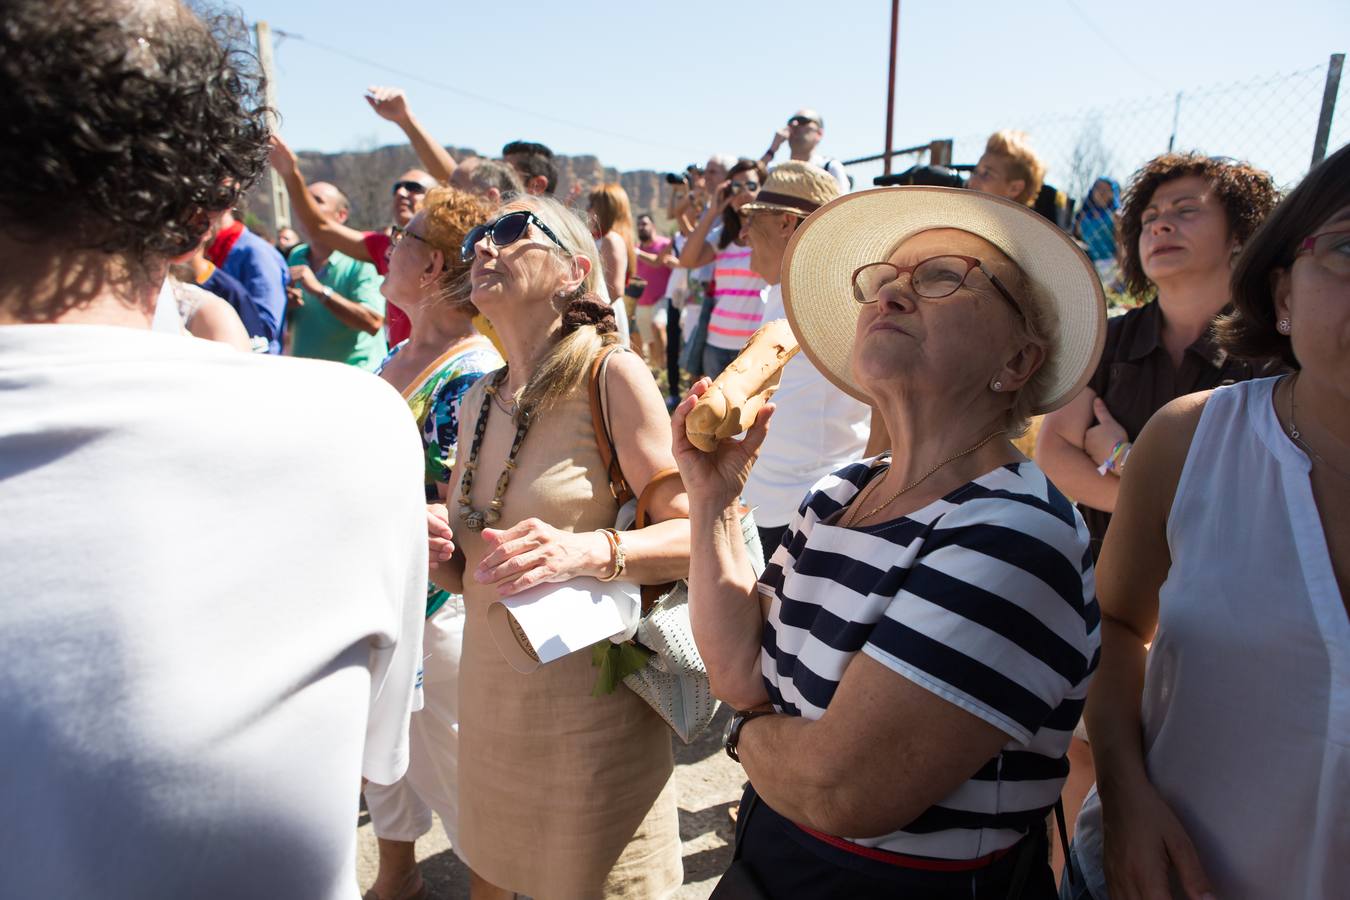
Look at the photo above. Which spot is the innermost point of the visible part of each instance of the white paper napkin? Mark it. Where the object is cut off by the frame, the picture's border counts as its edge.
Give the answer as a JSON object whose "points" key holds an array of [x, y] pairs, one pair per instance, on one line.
{"points": [[550, 621]]}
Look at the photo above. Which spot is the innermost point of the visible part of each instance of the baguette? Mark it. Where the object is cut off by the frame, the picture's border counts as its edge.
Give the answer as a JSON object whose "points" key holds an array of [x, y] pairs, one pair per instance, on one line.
{"points": [[737, 395]]}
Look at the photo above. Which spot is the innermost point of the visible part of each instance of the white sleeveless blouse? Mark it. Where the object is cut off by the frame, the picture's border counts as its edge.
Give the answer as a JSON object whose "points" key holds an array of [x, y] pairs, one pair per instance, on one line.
{"points": [[1246, 703]]}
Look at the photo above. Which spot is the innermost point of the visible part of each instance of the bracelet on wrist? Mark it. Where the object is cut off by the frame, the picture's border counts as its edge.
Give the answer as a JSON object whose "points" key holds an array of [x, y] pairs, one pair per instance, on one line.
{"points": [[616, 548], [1115, 460]]}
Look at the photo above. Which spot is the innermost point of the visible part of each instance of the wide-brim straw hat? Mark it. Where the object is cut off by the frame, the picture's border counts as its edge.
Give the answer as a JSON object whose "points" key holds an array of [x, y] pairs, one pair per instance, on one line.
{"points": [[794, 187], [867, 226]]}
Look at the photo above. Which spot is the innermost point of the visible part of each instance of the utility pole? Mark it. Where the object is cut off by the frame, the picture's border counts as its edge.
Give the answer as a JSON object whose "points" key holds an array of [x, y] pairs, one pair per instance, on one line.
{"points": [[281, 201], [1334, 67], [890, 87]]}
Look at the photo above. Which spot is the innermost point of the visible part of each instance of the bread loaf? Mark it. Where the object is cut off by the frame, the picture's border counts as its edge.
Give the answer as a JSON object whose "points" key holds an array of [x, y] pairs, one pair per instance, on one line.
{"points": [[737, 395]]}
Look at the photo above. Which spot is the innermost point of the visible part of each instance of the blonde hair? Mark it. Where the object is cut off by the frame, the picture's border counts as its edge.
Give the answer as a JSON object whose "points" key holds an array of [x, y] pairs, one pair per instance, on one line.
{"points": [[570, 356], [1015, 147], [609, 203], [449, 215]]}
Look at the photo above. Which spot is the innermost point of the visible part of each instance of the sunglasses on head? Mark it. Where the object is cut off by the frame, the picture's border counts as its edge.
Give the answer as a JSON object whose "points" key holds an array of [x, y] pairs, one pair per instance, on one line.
{"points": [[412, 187], [505, 230]]}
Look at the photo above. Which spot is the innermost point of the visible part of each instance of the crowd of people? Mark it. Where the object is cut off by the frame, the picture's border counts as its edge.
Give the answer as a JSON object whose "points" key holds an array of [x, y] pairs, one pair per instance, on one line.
{"points": [[260, 495]]}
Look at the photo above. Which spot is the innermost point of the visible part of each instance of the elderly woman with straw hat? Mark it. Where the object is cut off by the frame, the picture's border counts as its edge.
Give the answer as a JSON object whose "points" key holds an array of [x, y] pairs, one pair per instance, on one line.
{"points": [[910, 667]]}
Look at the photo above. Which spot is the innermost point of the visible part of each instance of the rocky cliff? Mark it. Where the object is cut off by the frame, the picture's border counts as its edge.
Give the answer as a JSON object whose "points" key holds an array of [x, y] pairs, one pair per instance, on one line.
{"points": [[366, 178]]}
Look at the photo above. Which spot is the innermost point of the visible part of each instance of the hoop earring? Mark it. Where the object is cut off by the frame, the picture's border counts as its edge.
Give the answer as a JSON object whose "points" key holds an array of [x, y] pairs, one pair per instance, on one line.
{"points": [[1284, 326]]}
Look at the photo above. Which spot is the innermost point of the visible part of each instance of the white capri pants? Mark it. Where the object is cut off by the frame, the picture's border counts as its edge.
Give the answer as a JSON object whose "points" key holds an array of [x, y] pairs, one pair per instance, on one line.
{"points": [[402, 811]]}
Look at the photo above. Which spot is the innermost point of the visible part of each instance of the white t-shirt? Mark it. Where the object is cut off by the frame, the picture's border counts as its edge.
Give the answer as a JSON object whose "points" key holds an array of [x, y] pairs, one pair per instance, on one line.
{"points": [[214, 575], [834, 167], [831, 165], [816, 430]]}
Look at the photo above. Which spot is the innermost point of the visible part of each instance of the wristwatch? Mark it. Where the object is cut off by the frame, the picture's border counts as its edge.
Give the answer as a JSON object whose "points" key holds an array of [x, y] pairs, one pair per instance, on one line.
{"points": [[732, 736], [327, 292]]}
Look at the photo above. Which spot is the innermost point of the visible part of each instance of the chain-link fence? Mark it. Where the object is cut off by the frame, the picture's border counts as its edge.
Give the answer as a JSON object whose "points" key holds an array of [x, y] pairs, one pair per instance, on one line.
{"points": [[1270, 122]]}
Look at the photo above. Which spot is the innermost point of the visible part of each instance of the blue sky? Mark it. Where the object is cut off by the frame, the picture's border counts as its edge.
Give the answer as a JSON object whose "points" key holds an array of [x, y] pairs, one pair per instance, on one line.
{"points": [[656, 85]]}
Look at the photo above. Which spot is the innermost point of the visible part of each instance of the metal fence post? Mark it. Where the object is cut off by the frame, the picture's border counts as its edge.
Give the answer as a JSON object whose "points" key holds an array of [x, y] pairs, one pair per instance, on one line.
{"points": [[940, 152], [1176, 118], [1328, 107]]}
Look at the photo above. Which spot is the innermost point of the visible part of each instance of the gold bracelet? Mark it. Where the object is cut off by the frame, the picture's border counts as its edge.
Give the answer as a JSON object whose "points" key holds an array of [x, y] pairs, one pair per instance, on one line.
{"points": [[620, 558]]}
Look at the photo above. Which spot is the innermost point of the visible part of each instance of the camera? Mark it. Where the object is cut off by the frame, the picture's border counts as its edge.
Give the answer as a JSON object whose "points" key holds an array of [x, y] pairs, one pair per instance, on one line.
{"points": [[683, 178]]}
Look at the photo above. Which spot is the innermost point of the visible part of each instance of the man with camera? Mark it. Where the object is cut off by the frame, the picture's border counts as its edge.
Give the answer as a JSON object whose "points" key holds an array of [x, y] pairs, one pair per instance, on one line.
{"points": [[803, 133]]}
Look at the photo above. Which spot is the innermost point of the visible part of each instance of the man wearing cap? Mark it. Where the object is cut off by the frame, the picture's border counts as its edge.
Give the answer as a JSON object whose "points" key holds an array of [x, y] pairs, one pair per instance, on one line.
{"points": [[803, 133], [818, 428]]}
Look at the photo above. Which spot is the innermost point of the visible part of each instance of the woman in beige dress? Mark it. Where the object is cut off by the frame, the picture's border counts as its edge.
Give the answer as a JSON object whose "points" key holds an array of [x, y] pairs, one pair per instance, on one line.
{"points": [[562, 794]]}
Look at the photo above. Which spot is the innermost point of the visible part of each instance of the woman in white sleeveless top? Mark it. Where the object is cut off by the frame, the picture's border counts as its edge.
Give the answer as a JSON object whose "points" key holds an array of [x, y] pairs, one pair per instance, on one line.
{"points": [[1223, 752]]}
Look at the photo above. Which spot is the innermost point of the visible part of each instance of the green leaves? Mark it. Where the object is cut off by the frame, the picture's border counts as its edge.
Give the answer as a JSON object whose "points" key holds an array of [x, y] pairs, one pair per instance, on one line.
{"points": [[616, 662]]}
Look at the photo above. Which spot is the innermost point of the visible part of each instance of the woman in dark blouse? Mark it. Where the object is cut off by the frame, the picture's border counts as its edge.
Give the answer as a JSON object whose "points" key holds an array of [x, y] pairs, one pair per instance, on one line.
{"points": [[1185, 219]]}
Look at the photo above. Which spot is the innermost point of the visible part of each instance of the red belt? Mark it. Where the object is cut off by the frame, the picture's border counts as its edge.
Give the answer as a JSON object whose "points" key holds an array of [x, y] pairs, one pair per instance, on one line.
{"points": [[891, 858]]}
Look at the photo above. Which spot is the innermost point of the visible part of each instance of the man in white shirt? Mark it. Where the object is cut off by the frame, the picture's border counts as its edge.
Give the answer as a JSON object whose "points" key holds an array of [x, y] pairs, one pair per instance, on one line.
{"points": [[804, 131], [214, 562], [817, 427]]}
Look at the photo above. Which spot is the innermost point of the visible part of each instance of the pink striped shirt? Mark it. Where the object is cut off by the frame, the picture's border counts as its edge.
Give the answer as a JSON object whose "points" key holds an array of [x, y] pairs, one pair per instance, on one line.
{"points": [[739, 295]]}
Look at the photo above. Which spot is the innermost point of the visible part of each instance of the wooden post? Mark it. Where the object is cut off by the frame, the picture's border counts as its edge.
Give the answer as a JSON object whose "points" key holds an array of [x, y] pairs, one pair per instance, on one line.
{"points": [[890, 87], [1328, 107], [281, 201]]}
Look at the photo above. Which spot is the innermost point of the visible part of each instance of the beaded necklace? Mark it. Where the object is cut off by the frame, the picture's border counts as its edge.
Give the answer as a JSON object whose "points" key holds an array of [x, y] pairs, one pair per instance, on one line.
{"points": [[474, 519]]}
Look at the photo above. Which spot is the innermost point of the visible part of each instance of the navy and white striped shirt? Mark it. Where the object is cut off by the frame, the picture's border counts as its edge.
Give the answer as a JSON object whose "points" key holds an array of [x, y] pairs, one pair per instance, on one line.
{"points": [[985, 597]]}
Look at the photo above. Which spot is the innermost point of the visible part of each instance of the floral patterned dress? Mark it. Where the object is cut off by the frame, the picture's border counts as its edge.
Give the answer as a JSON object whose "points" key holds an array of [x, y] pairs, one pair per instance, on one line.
{"points": [[434, 397]]}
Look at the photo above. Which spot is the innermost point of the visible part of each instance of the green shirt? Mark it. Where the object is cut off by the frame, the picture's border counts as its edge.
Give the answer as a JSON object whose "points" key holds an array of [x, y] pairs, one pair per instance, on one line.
{"points": [[317, 333]]}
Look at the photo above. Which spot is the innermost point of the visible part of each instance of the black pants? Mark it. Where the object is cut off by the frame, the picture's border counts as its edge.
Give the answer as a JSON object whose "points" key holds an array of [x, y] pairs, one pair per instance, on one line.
{"points": [[787, 862], [674, 341]]}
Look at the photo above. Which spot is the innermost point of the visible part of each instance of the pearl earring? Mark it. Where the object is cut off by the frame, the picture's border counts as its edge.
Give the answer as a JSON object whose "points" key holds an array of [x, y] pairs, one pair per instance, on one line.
{"points": [[1283, 326], [996, 385]]}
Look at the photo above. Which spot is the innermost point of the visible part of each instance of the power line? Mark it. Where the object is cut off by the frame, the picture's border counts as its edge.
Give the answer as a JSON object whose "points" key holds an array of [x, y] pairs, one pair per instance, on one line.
{"points": [[480, 98], [1107, 39]]}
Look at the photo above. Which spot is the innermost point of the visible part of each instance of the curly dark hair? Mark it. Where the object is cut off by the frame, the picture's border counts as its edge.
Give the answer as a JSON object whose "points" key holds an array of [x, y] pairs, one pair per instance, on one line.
{"points": [[1249, 331], [1247, 193], [124, 125]]}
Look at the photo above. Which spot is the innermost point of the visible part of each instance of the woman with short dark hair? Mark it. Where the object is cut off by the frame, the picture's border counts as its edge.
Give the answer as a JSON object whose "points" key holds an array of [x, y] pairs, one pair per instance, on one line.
{"points": [[1223, 750]]}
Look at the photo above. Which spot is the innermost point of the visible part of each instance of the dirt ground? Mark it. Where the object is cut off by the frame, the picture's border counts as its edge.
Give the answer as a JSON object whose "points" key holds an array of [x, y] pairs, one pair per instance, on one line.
{"points": [[709, 785]]}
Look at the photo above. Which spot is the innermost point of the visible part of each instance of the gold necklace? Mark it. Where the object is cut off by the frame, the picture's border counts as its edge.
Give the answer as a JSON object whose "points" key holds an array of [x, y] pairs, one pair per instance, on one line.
{"points": [[916, 482], [476, 519], [1297, 436]]}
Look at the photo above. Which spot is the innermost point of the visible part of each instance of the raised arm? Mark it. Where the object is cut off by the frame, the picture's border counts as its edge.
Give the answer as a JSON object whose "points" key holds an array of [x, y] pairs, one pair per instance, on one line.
{"points": [[697, 251], [313, 221], [1143, 838], [391, 103]]}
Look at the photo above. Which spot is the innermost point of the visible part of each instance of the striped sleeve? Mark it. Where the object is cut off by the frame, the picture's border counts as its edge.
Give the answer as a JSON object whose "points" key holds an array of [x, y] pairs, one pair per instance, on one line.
{"points": [[991, 616]]}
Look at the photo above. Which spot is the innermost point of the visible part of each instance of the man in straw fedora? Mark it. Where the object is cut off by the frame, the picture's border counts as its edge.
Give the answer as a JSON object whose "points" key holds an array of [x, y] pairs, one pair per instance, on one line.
{"points": [[909, 668], [819, 428]]}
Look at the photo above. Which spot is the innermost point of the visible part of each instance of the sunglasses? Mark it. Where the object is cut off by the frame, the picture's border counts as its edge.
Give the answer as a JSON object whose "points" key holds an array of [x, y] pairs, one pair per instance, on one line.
{"points": [[801, 120], [412, 187], [749, 185], [932, 278], [506, 230], [397, 233]]}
